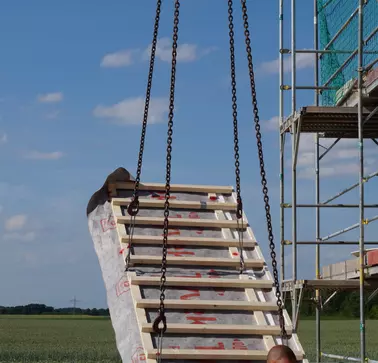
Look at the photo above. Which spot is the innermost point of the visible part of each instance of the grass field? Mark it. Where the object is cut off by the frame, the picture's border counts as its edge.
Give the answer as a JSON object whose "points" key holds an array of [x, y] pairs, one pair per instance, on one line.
{"points": [[53, 339]]}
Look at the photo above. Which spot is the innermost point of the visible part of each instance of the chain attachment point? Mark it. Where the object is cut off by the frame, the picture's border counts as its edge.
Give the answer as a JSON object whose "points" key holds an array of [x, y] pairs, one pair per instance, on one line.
{"points": [[161, 318], [239, 209], [133, 207]]}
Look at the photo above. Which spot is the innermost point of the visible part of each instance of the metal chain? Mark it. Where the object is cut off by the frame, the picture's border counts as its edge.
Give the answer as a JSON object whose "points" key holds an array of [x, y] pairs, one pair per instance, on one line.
{"points": [[262, 169], [239, 210], [161, 318], [133, 207]]}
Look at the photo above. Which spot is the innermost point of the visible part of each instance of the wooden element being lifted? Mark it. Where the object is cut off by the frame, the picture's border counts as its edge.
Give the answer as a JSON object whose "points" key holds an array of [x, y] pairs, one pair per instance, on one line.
{"points": [[181, 222], [254, 355], [177, 204], [187, 241], [202, 282], [177, 188], [208, 305], [195, 261], [193, 276], [219, 329]]}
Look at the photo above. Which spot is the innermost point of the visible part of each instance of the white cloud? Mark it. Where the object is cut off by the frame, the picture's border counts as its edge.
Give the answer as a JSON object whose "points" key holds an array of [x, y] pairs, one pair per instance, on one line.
{"points": [[37, 155], [342, 160], [3, 138], [50, 97], [272, 124], [15, 223], [303, 61], [130, 111], [186, 52], [122, 58], [24, 237]]}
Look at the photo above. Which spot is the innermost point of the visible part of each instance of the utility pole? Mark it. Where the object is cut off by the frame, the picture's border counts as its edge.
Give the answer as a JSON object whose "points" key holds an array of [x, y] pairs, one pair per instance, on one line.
{"points": [[74, 301]]}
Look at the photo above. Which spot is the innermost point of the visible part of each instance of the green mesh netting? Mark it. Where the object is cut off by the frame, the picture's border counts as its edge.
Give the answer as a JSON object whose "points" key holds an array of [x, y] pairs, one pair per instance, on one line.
{"points": [[333, 14]]}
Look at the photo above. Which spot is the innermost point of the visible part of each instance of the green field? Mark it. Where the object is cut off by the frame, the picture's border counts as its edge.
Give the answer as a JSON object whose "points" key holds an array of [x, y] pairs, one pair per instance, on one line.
{"points": [[78, 339]]}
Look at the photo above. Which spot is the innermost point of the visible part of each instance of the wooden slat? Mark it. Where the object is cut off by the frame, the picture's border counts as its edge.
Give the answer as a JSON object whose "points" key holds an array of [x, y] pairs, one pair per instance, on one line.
{"points": [[141, 316], [227, 329], [188, 241], [176, 204], [208, 305], [184, 188], [181, 222], [195, 261], [201, 354], [202, 282]]}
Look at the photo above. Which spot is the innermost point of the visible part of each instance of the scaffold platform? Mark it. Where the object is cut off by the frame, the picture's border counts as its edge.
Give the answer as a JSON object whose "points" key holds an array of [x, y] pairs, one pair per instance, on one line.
{"points": [[332, 122]]}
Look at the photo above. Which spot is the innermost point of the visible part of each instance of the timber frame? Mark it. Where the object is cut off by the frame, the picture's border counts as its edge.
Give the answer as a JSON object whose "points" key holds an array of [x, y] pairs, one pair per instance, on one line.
{"points": [[218, 207]]}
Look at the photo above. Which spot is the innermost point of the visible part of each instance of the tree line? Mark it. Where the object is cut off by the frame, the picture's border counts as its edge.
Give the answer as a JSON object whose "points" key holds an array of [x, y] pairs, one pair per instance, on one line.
{"points": [[344, 305], [38, 309]]}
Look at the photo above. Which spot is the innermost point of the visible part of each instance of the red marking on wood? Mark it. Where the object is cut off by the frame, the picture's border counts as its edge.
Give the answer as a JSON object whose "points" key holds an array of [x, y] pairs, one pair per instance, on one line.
{"points": [[200, 319], [121, 251], [174, 347], [237, 344], [161, 196], [218, 346], [197, 275], [175, 232], [108, 223], [213, 197], [122, 286], [235, 254], [195, 293], [180, 254]]}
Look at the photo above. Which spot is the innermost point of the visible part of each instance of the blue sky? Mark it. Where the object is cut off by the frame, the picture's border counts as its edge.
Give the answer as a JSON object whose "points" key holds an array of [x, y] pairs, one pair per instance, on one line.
{"points": [[72, 85]]}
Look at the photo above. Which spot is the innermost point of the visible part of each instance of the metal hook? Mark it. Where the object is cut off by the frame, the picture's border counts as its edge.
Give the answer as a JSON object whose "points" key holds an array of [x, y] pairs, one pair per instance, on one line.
{"points": [[133, 207], [160, 319]]}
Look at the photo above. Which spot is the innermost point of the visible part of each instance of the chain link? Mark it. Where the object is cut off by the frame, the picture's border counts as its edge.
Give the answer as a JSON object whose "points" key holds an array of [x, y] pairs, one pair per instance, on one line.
{"points": [[133, 207], [262, 170], [239, 210], [161, 318]]}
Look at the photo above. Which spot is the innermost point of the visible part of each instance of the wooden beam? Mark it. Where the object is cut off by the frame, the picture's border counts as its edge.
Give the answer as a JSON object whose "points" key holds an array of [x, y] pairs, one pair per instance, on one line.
{"points": [[195, 261], [176, 204], [184, 188], [201, 354], [182, 222], [202, 282], [141, 317], [208, 305], [188, 241], [226, 329]]}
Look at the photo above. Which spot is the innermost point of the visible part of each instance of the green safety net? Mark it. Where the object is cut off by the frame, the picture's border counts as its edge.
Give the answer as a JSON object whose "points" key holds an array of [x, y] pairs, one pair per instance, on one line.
{"points": [[338, 70]]}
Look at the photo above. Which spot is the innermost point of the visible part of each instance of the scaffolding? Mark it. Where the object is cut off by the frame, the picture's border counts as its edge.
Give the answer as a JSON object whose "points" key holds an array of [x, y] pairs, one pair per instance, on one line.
{"points": [[345, 106]]}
